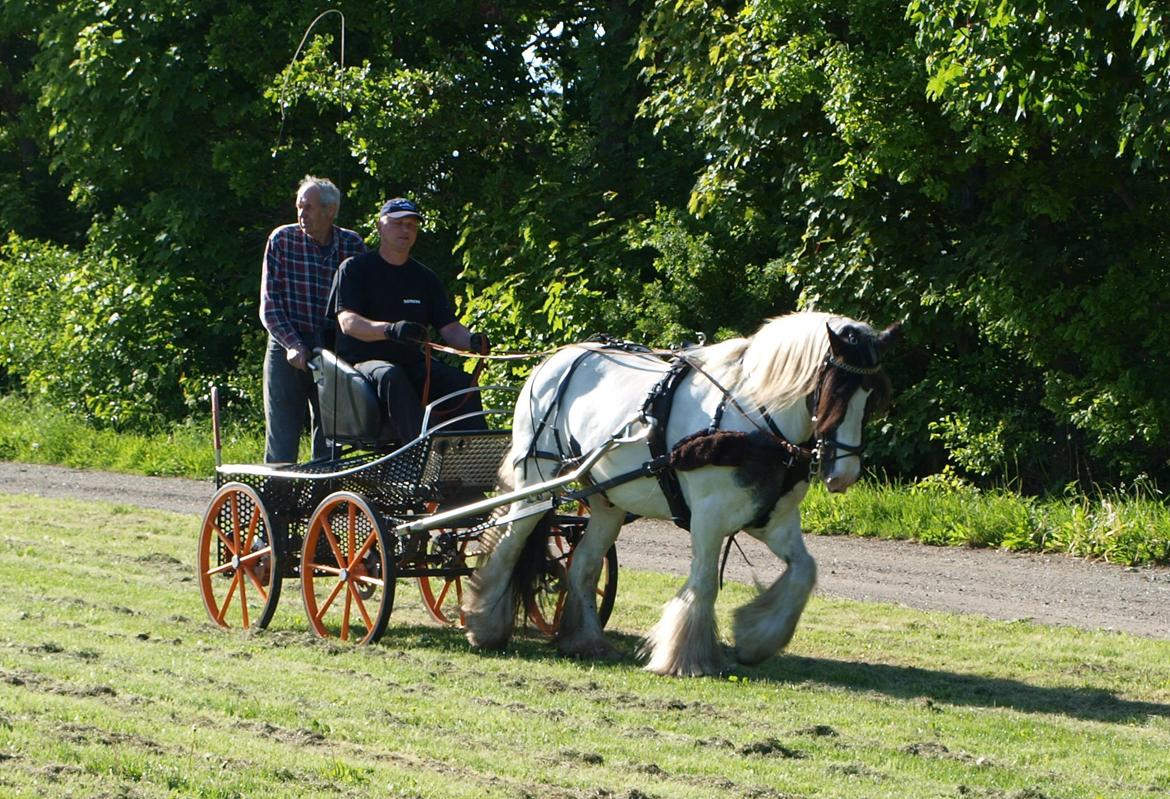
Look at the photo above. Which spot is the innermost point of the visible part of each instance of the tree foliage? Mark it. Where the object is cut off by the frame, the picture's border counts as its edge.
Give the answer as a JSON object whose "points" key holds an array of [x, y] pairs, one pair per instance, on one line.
{"points": [[962, 165]]}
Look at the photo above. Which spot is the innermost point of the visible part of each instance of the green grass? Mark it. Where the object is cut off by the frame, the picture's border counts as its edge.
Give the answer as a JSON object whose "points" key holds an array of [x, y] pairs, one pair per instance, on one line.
{"points": [[1131, 528], [35, 433], [114, 683]]}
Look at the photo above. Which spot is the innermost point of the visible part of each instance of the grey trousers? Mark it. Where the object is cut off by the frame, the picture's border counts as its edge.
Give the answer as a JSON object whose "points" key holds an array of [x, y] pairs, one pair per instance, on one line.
{"points": [[287, 392], [399, 387]]}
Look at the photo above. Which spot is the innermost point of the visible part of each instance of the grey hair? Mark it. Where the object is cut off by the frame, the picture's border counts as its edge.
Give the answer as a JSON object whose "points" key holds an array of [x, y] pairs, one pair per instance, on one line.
{"points": [[330, 194]]}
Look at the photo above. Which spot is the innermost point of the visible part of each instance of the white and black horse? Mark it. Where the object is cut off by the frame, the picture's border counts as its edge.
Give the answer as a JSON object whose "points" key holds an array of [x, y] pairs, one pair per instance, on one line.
{"points": [[742, 420]]}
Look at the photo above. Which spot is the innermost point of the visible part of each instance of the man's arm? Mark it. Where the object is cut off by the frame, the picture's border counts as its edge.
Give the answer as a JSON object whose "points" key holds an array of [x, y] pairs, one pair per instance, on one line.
{"points": [[272, 313], [363, 329], [457, 335]]}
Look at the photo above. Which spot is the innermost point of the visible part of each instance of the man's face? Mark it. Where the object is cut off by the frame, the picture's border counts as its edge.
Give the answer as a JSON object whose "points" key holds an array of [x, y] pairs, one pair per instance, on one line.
{"points": [[398, 234], [314, 218]]}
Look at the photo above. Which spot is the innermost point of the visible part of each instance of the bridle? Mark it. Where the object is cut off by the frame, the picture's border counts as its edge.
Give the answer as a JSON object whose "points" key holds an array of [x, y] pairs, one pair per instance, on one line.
{"points": [[828, 448], [820, 448]]}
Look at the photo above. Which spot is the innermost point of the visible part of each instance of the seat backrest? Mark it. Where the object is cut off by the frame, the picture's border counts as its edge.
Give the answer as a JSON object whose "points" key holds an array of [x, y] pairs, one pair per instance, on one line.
{"points": [[350, 411]]}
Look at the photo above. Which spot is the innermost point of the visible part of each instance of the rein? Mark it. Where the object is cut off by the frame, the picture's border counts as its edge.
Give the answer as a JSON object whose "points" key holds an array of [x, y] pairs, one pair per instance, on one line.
{"points": [[811, 452], [795, 451], [429, 348]]}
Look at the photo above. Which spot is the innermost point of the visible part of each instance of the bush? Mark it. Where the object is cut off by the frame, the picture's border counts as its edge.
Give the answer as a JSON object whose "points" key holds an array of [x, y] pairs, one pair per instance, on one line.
{"points": [[92, 337]]}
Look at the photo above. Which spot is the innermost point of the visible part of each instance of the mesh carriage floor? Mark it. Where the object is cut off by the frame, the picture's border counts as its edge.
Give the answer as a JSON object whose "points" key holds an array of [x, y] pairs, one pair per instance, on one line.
{"points": [[446, 468]]}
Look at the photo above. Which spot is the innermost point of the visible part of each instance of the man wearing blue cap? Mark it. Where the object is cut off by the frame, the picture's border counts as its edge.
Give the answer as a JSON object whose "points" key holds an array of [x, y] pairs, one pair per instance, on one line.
{"points": [[384, 301]]}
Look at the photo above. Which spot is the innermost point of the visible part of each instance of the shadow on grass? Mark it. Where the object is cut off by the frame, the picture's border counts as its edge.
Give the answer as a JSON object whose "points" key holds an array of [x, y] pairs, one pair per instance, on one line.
{"points": [[947, 687], [899, 682]]}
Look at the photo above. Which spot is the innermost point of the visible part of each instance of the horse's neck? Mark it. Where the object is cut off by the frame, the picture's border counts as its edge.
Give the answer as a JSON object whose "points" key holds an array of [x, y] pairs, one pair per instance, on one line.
{"points": [[793, 420]]}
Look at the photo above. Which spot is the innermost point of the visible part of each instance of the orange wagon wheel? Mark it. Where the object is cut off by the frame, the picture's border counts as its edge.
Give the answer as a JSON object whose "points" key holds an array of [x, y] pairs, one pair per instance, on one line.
{"points": [[443, 595], [239, 560], [547, 602], [348, 571]]}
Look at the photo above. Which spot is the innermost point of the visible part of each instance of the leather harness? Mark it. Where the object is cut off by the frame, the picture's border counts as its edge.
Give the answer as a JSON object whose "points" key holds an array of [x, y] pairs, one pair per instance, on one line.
{"points": [[709, 447]]}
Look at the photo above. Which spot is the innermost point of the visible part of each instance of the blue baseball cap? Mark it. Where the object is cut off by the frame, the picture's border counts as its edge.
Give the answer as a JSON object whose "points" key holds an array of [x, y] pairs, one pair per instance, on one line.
{"points": [[400, 207]]}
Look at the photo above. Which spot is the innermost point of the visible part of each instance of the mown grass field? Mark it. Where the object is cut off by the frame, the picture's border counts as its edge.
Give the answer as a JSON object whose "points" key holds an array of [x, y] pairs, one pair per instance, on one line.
{"points": [[114, 684]]}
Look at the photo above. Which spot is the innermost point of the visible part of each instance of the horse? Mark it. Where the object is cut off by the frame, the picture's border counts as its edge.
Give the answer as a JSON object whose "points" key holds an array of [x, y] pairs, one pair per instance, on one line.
{"points": [[744, 422]]}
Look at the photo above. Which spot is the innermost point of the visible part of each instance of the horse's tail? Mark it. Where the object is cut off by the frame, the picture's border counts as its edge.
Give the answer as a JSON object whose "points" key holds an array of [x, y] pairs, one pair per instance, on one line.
{"points": [[533, 565]]}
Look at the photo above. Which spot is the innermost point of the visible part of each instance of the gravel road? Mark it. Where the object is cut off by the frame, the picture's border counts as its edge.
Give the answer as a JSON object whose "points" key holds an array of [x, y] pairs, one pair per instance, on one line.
{"points": [[1049, 589]]}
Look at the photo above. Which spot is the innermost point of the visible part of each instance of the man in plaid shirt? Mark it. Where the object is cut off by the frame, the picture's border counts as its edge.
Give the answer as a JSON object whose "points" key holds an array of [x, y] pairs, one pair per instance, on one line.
{"points": [[299, 263]]}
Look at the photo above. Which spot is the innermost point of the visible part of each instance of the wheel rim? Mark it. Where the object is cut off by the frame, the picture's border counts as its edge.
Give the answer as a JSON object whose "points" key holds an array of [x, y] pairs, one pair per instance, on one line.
{"points": [[443, 595], [239, 565], [347, 576]]}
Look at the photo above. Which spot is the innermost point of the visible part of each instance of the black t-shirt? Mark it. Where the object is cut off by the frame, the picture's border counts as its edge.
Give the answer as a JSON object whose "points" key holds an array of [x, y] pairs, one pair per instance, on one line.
{"points": [[384, 292]]}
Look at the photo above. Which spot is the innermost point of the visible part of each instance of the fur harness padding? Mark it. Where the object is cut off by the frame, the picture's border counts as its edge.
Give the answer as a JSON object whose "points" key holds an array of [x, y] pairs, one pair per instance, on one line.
{"points": [[710, 447]]}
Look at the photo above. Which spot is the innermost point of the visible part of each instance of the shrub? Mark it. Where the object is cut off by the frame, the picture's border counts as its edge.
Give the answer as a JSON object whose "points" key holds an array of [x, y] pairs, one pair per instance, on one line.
{"points": [[87, 333]]}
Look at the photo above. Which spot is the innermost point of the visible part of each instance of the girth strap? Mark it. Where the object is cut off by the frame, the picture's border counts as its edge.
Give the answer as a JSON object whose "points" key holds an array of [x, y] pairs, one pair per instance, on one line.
{"points": [[656, 410]]}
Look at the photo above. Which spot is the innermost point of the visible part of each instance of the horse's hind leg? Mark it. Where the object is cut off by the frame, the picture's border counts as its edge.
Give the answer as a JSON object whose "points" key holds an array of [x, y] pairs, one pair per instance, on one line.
{"points": [[489, 600], [765, 625], [580, 633], [685, 641]]}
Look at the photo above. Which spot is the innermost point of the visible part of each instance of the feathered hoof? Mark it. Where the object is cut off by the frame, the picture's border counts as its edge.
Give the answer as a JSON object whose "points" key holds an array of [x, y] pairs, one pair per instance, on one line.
{"points": [[751, 656], [592, 649], [680, 665], [489, 631], [488, 643]]}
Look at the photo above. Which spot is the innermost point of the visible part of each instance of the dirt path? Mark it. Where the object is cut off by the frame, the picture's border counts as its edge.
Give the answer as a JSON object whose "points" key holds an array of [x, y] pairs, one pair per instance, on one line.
{"points": [[1046, 588]]}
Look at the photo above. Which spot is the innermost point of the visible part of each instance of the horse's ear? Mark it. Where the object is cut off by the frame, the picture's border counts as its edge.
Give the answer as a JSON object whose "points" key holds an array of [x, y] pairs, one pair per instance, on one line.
{"points": [[888, 337], [838, 342]]}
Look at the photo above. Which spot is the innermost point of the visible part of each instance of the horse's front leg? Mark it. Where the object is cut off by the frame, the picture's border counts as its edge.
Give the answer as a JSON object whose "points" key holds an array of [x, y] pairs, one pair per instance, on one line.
{"points": [[580, 633], [685, 641], [765, 625]]}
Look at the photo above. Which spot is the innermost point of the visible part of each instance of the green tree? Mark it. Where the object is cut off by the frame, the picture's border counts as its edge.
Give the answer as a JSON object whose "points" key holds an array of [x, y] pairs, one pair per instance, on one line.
{"points": [[963, 166]]}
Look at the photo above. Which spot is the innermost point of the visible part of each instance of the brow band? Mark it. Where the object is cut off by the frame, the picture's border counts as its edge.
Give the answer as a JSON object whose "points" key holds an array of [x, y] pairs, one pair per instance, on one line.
{"points": [[857, 370]]}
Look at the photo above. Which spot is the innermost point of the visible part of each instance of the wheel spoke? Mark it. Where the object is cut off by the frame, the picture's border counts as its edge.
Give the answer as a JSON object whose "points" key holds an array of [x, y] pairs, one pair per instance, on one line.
{"points": [[361, 606], [252, 524], [227, 541], [327, 530], [325, 567], [219, 569], [255, 581], [227, 600], [345, 612], [243, 597], [235, 535], [255, 555], [321, 611], [351, 533], [442, 597], [370, 541]]}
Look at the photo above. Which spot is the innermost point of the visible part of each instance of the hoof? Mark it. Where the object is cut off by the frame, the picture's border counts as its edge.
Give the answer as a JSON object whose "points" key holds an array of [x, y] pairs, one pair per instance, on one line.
{"points": [[486, 644], [599, 649]]}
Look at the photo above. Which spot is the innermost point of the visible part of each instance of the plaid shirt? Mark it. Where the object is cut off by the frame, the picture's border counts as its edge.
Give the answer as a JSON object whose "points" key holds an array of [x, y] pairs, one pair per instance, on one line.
{"points": [[297, 276]]}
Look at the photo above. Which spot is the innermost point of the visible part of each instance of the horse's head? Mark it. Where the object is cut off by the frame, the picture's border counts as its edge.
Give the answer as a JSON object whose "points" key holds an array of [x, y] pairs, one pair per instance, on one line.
{"points": [[850, 387]]}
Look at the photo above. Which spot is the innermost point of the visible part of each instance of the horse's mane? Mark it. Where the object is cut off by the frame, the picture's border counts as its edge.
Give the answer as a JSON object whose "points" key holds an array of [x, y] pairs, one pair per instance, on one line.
{"points": [[777, 365]]}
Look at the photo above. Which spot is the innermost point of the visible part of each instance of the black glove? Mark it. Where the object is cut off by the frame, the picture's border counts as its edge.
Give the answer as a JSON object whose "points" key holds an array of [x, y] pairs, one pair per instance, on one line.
{"points": [[480, 343], [406, 332]]}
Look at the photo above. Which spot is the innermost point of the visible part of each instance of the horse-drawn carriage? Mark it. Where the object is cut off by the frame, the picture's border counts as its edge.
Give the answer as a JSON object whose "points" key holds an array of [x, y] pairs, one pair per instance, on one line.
{"points": [[496, 524], [351, 527]]}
